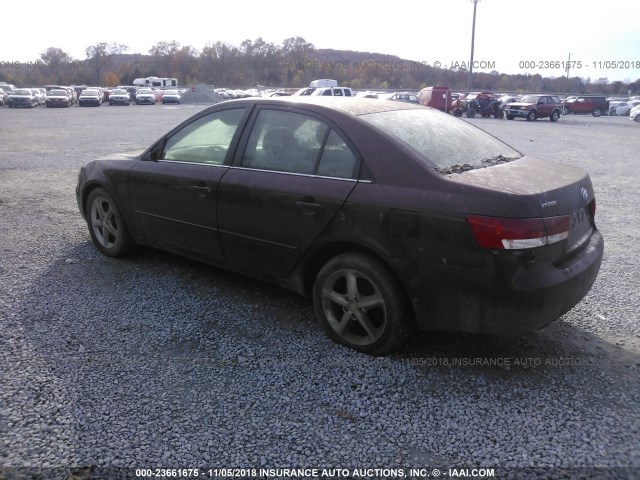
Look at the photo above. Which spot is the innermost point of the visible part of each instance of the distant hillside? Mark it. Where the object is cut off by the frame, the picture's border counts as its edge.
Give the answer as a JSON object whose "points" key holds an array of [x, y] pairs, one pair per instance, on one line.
{"points": [[291, 65]]}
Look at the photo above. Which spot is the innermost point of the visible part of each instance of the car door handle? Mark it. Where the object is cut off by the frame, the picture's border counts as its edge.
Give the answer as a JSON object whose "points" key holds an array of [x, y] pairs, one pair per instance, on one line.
{"points": [[202, 191], [309, 208]]}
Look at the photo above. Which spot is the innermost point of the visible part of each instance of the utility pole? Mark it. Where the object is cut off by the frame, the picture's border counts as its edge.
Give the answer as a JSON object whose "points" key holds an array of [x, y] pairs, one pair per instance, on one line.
{"points": [[568, 68], [473, 38]]}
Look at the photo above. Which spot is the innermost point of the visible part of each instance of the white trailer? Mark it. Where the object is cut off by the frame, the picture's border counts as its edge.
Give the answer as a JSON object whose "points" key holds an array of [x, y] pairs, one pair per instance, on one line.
{"points": [[158, 82]]}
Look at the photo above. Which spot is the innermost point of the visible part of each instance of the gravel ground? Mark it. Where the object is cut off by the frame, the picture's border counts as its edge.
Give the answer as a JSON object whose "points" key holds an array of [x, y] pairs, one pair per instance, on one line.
{"points": [[155, 361]]}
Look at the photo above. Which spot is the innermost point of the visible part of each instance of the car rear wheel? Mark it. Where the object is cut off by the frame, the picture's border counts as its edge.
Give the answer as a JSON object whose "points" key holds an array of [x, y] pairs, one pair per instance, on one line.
{"points": [[555, 115], [510, 117], [106, 225], [532, 115], [360, 304], [471, 113], [596, 112], [637, 119]]}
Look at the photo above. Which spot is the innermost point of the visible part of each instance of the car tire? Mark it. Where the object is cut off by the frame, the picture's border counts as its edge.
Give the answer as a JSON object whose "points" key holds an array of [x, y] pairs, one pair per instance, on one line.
{"points": [[532, 115], [360, 304], [471, 113], [107, 227], [596, 112], [637, 119], [510, 117], [555, 115]]}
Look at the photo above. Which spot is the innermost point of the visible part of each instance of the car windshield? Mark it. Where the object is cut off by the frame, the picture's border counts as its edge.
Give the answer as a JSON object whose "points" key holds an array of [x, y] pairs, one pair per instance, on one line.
{"points": [[57, 93], [145, 91], [21, 92], [89, 93], [119, 91], [449, 144], [529, 99]]}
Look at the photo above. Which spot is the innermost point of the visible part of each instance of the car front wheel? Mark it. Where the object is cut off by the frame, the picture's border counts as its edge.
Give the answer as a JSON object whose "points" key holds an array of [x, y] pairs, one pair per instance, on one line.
{"points": [[532, 115], [360, 304], [106, 225], [596, 112]]}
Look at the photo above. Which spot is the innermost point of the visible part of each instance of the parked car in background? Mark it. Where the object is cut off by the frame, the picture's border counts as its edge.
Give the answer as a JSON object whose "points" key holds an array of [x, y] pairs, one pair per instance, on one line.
{"points": [[533, 107], [119, 96], [506, 99], [90, 97], [145, 96], [7, 87], [58, 98], [40, 94], [634, 113], [409, 97], [623, 108], [171, 96], [390, 216], [5, 90], [22, 97], [596, 105]]}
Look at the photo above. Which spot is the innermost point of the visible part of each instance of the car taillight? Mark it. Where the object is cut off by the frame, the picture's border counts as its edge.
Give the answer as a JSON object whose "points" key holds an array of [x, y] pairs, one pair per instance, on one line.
{"points": [[499, 233]]}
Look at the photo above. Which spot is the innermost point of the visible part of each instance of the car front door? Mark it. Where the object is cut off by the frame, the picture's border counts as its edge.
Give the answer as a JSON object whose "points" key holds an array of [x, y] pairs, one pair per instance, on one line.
{"points": [[173, 192], [543, 107], [292, 174]]}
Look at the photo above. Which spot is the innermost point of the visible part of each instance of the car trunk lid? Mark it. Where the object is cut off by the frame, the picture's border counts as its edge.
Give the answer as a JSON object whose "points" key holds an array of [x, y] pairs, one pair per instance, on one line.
{"points": [[553, 190]]}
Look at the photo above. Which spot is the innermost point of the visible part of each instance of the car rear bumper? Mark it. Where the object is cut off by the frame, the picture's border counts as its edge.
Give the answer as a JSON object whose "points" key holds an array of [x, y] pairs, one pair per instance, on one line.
{"points": [[503, 297]]}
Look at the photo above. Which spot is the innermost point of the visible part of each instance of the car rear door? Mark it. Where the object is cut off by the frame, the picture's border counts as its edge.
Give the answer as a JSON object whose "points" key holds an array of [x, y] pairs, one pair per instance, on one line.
{"points": [[290, 177], [173, 193]]}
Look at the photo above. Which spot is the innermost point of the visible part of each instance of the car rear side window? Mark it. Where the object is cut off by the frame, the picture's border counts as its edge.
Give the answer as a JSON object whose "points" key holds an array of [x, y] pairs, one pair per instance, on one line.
{"points": [[205, 140], [296, 143]]}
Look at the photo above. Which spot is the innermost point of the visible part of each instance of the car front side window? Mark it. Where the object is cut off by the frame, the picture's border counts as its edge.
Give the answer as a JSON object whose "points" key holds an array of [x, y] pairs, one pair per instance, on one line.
{"points": [[205, 140]]}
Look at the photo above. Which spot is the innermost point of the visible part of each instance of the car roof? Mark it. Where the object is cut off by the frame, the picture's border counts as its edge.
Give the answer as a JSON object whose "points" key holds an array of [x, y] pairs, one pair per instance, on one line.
{"points": [[353, 105]]}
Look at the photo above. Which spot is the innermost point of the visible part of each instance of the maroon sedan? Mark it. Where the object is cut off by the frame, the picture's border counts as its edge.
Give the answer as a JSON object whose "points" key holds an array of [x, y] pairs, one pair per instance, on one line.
{"points": [[391, 216]]}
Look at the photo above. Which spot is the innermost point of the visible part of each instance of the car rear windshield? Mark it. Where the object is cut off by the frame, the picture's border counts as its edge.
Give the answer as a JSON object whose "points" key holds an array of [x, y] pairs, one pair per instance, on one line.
{"points": [[448, 144]]}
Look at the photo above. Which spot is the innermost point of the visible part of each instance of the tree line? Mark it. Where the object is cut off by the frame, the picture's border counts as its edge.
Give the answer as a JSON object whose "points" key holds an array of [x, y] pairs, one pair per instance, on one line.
{"points": [[292, 64]]}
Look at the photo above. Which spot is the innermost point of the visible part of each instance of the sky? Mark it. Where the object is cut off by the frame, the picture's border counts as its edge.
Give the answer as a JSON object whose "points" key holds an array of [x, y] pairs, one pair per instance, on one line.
{"points": [[512, 36]]}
